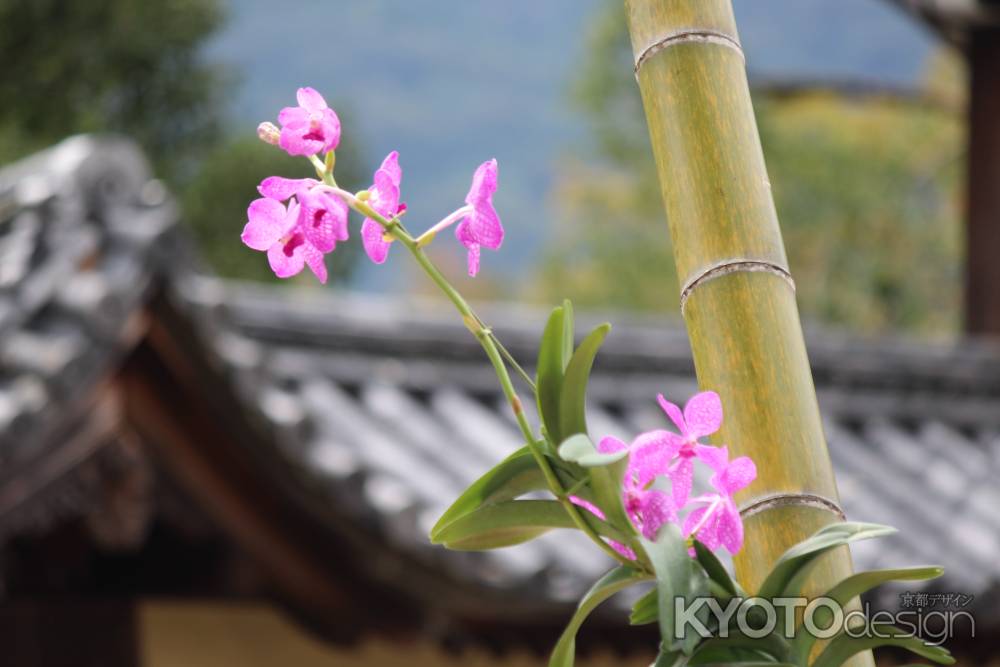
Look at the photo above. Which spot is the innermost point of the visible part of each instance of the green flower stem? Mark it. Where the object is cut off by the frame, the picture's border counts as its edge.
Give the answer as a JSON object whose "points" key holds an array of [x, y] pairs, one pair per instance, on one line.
{"points": [[486, 338], [508, 356]]}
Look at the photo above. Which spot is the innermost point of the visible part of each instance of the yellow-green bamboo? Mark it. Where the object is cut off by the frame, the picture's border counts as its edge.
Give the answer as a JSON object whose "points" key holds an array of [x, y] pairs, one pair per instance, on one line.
{"points": [[737, 294]]}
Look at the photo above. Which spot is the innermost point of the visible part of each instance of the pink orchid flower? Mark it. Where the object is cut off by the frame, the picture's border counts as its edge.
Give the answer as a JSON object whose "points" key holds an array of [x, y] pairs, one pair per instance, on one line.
{"points": [[275, 230], [310, 128], [322, 216], [649, 456], [716, 519], [702, 416], [481, 227], [384, 199], [648, 509]]}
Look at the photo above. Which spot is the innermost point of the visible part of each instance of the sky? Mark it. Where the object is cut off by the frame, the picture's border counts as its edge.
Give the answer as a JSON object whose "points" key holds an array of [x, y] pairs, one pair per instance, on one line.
{"points": [[453, 83]]}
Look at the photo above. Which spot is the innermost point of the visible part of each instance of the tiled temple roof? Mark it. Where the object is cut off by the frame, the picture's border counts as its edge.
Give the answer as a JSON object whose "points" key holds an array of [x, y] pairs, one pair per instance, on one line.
{"points": [[953, 19], [387, 409]]}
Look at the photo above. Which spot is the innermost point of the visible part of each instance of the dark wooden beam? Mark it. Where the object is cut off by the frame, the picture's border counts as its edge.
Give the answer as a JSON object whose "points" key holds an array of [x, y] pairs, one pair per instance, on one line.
{"points": [[982, 280], [71, 632]]}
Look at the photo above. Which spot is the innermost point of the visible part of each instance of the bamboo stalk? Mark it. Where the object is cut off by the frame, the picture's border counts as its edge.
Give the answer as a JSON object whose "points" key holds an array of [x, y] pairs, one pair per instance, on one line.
{"points": [[738, 297]]}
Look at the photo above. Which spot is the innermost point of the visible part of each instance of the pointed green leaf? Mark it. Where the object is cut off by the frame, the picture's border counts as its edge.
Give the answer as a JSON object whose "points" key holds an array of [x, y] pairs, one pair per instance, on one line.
{"points": [[669, 658], [716, 571], [843, 646], [514, 476], [645, 610], [677, 576], [739, 648], [572, 400], [567, 338], [614, 581], [792, 568], [552, 360], [579, 449], [852, 587], [721, 586], [606, 486], [511, 522]]}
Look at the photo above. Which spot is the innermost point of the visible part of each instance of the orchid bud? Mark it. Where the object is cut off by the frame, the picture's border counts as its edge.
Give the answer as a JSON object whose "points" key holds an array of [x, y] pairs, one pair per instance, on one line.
{"points": [[269, 133]]}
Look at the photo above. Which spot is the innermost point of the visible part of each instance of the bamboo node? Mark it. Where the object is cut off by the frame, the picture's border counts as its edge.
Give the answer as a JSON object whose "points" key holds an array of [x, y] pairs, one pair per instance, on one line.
{"points": [[773, 501], [728, 266], [687, 36]]}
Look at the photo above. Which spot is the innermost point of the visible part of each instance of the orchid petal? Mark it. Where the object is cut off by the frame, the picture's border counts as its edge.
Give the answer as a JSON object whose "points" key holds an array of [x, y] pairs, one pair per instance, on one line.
{"points": [[323, 220], [390, 165], [484, 183], [703, 414], [610, 444], [587, 505], [729, 528], [376, 246], [276, 187], [310, 100], [286, 259], [622, 549], [472, 260], [314, 259], [294, 142], [717, 458], [675, 414], [266, 220], [681, 480], [485, 225], [736, 476], [384, 194], [465, 236], [293, 116], [657, 509]]}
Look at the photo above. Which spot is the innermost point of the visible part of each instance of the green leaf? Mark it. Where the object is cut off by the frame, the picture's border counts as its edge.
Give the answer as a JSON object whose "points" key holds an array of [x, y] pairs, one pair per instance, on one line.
{"points": [[645, 610], [844, 646], [572, 400], [677, 576], [605, 472], [511, 522], [792, 568], [721, 586], [738, 660], [669, 658], [567, 338], [514, 476], [716, 571], [614, 581], [579, 449], [552, 360], [852, 587], [606, 485], [739, 648]]}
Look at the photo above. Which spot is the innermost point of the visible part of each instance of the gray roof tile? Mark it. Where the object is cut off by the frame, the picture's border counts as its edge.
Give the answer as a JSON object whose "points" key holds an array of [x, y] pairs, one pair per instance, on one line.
{"points": [[389, 410]]}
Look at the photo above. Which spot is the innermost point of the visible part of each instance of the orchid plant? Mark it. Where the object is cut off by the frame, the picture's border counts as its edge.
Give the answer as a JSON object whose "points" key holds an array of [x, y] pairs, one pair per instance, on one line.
{"points": [[636, 500]]}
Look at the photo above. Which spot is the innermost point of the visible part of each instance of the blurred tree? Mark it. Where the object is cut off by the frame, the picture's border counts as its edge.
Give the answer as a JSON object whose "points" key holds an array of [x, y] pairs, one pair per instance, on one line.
{"points": [[128, 66], [866, 186], [135, 67]]}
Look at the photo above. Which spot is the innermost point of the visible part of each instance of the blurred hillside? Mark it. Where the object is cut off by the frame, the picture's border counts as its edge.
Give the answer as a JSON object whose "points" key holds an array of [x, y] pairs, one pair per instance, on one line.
{"points": [[866, 181], [452, 83], [544, 87]]}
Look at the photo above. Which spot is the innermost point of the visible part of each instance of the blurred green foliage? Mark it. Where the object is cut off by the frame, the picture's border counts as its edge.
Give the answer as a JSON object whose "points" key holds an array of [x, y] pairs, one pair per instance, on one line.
{"points": [[128, 66], [136, 67], [867, 188]]}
